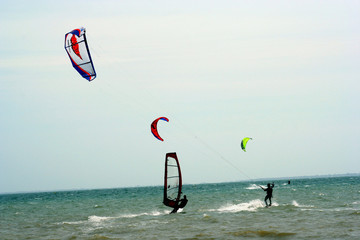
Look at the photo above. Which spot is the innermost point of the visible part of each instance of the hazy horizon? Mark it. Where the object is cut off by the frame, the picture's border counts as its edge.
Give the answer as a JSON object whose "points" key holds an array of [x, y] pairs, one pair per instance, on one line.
{"points": [[284, 73]]}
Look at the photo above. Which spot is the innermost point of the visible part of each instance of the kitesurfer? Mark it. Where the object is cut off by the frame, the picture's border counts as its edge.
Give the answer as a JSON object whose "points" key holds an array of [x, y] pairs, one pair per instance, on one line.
{"points": [[269, 191], [181, 204]]}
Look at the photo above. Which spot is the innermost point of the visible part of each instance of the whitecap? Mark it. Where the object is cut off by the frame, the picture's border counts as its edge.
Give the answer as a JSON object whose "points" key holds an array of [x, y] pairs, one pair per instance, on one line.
{"points": [[72, 223], [153, 213], [91, 219], [247, 206], [296, 204], [252, 187], [97, 219]]}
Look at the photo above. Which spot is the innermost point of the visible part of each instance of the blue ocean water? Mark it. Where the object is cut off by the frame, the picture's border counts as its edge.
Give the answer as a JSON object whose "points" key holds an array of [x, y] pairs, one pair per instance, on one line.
{"points": [[320, 208]]}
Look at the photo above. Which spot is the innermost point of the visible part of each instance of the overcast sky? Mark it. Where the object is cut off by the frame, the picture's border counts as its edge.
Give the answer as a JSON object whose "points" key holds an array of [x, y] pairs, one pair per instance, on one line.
{"points": [[285, 73]]}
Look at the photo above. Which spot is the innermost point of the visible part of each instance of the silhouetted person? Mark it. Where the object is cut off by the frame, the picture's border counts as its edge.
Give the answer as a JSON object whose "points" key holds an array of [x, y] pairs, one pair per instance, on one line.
{"points": [[182, 203], [269, 191]]}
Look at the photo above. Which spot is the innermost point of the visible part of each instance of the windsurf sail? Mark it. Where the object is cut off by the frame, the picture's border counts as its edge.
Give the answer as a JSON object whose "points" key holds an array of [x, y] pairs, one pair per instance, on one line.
{"points": [[172, 180], [77, 48], [244, 142], [154, 130]]}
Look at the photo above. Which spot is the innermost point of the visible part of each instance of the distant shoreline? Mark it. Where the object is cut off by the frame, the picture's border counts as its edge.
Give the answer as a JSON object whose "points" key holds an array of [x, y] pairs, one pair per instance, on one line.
{"points": [[247, 180], [285, 178], [307, 177]]}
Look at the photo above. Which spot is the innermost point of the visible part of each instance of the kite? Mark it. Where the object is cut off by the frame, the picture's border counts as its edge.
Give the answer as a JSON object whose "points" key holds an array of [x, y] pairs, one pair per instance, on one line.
{"points": [[154, 127], [244, 142], [77, 48]]}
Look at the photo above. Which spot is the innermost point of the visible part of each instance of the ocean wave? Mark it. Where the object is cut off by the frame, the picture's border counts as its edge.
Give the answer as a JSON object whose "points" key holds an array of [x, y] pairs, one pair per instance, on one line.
{"points": [[128, 215], [97, 219], [72, 223], [91, 219], [355, 213], [247, 206], [261, 233], [294, 203], [252, 187], [154, 213], [256, 204]]}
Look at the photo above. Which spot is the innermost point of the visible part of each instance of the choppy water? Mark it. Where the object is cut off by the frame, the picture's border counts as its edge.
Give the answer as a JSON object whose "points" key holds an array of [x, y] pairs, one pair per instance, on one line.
{"points": [[320, 208]]}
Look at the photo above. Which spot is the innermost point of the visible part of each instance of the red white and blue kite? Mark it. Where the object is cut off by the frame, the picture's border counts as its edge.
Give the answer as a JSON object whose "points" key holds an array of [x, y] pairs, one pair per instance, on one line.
{"points": [[77, 48]]}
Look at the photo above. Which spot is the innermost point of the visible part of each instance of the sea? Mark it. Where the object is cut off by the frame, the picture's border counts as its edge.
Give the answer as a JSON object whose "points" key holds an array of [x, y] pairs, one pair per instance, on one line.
{"points": [[307, 208]]}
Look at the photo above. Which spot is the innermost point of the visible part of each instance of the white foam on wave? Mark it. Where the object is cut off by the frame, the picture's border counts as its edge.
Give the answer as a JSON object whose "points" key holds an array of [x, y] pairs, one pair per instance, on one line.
{"points": [[252, 187], [101, 219], [296, 204], [153, 213], [72, 223], [91, 219], [253, 205], [98, 219]]}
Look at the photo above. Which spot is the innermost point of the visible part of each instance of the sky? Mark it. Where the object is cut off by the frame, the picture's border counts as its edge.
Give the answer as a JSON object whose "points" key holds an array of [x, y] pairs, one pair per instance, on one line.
{"points": [[285, 73]]}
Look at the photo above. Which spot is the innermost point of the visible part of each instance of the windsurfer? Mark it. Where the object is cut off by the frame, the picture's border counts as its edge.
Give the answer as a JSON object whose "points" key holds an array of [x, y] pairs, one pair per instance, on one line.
{"points": [[269, 191], [181, 204]]}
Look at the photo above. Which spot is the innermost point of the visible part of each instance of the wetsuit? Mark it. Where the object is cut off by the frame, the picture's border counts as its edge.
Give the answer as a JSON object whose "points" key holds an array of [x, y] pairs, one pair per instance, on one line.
{"points": [[269, 191], [181, 204]]}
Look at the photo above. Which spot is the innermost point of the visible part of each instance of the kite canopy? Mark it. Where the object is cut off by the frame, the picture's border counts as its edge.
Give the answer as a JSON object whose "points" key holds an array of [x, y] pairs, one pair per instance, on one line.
{"points": [[154, 127], [244, 142], [77, 48]]}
